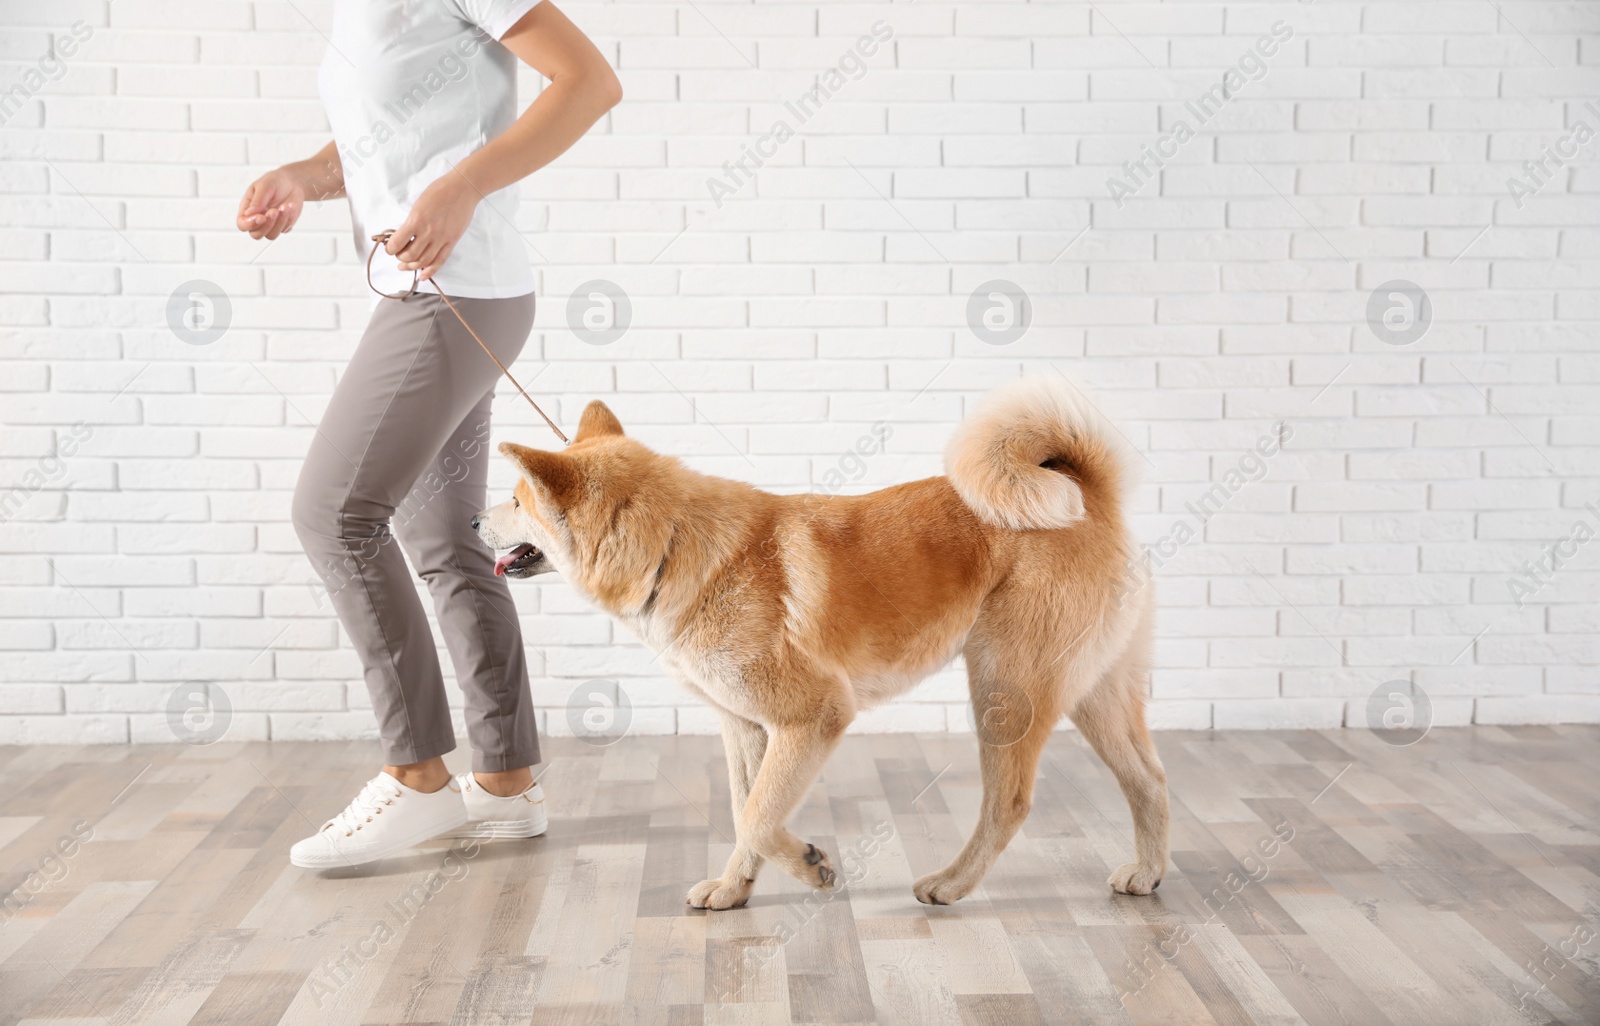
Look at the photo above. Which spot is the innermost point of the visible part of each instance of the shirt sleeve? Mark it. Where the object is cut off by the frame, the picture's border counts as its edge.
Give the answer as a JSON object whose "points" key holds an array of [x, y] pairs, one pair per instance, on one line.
{"points": [[495, 16]]}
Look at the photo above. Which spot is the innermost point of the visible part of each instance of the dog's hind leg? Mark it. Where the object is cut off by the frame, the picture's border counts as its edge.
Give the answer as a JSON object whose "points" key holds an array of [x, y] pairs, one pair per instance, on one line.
{"points": [[746, 744], [1015, 709], [1111, 717]]}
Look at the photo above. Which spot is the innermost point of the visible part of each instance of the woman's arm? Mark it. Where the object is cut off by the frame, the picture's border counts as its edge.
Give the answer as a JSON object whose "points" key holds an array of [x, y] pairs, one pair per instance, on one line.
{"points": [[582, 88], [273, 202]]}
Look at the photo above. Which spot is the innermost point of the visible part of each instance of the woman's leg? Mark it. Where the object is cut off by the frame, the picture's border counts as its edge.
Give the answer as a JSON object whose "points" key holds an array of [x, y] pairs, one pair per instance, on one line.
{"points": [[414, 378], [474, 606]]}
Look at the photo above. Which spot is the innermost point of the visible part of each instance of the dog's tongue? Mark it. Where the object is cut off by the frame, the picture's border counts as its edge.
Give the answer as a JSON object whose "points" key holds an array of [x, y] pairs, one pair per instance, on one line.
{"points": [[511, 557]]}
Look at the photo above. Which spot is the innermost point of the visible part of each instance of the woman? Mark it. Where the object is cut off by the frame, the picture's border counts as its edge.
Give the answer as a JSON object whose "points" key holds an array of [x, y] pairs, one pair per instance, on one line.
{"points": [[420, 95]]}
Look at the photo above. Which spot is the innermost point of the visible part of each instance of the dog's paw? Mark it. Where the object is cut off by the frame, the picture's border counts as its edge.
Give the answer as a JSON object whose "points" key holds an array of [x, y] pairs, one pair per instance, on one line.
{"points": [[940, 888], [717, 895], [1135, 879], [819, 869]]}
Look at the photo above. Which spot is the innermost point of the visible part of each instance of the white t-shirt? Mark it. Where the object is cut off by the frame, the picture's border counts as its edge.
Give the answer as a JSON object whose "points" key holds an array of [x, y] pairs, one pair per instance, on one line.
{"points": [[411, 87]]}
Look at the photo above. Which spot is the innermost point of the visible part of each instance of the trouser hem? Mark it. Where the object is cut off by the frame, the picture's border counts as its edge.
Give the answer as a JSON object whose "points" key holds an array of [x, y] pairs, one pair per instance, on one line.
{"points": [[405, 755], [485, 763]]}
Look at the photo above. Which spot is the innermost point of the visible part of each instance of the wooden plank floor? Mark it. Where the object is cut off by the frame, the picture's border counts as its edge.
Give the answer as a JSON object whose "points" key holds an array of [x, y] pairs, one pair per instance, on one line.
{"points": [[1318, 877]]}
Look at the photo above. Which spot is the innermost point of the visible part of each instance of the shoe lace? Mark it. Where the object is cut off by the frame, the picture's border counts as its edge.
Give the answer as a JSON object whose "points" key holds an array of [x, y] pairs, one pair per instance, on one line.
{"points": [[375, 796]]}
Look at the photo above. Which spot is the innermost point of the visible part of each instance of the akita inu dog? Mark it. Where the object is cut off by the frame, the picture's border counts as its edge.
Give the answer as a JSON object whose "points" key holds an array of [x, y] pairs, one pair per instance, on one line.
{"points": [[788, 614]]}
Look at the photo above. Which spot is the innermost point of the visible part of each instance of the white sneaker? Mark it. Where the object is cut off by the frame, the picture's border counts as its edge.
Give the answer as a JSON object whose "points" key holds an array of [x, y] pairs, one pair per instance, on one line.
{"points": [[490, 816], [386, 818]]}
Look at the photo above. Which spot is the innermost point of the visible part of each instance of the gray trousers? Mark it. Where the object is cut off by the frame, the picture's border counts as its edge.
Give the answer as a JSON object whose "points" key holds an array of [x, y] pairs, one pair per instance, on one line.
{"points": [[403, 453]]}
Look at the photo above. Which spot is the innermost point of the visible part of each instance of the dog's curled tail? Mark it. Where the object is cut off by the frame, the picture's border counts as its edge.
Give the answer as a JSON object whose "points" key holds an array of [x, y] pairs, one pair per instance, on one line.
{"points": [[1028, 453]]}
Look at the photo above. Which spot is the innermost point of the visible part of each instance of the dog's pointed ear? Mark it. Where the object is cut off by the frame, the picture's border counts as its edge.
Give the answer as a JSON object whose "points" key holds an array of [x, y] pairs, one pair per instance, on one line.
{"points": [[597, 422], [550, 474]]}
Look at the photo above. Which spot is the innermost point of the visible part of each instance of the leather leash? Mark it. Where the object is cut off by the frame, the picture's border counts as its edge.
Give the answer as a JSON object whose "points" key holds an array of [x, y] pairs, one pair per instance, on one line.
{"points": [[378, 241]]}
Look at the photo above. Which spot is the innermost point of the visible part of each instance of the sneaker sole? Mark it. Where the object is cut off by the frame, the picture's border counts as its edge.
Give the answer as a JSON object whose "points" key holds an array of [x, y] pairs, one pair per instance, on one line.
{"points": [[504, 830]]}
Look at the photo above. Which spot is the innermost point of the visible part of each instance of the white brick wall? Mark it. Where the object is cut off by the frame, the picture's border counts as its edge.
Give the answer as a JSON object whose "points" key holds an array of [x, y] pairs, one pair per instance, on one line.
{"points": [[1227, 293]]}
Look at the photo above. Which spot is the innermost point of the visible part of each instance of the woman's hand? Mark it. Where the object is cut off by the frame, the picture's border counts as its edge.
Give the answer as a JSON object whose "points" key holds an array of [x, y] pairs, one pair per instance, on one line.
{"points": [[436, 223], [273, 203]]}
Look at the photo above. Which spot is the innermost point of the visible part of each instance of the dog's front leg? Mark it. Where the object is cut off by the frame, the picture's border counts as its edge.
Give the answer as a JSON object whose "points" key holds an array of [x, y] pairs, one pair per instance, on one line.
{"points": [[746, 743], [794, 756]]}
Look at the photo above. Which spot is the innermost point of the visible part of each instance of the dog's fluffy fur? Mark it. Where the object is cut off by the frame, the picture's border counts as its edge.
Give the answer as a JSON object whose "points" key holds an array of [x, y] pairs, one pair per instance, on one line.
{"points": [[789, 614]]}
